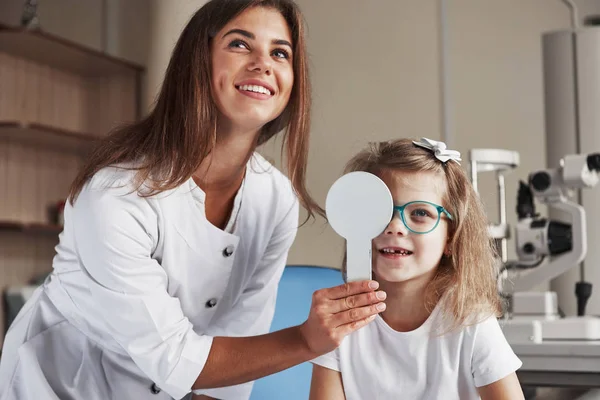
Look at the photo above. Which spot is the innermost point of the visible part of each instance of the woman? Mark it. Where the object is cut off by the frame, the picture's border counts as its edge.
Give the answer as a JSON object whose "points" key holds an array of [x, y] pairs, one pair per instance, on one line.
{"points": [[177, 233]]}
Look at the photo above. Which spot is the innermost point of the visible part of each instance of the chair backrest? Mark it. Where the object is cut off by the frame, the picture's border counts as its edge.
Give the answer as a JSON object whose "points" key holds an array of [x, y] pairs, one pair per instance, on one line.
{"points": [[294, 297]]}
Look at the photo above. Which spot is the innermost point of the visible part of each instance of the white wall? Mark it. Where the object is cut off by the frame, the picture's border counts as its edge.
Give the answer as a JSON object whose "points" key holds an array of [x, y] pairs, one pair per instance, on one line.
{"points": [[167, 20]]}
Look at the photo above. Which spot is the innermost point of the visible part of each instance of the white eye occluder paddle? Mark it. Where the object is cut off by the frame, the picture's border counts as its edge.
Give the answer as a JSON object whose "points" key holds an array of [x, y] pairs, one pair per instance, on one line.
{"points": [[359, 206]]}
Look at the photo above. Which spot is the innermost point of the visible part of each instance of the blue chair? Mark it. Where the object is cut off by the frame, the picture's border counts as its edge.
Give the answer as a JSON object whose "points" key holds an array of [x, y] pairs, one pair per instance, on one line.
{"points": [[293, 304]]}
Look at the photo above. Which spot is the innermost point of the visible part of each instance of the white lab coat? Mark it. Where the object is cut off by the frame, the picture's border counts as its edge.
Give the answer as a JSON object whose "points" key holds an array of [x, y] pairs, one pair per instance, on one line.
{"points": [[141, 286]]}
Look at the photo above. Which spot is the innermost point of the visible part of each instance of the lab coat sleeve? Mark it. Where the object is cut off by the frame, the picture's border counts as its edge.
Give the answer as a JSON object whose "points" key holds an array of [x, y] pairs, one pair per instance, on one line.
{"points": [[253, 313], [493, 358], [115, 233]]}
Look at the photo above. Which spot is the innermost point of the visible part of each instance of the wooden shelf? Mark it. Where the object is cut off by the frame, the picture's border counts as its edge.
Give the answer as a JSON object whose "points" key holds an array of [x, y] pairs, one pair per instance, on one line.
{"points": [[30, 228], [48, 136], [57, 99], [55, 51]]}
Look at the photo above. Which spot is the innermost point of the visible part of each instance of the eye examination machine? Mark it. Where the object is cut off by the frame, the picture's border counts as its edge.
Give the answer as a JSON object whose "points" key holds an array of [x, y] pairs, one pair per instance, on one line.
{"points": [[556, 332]]}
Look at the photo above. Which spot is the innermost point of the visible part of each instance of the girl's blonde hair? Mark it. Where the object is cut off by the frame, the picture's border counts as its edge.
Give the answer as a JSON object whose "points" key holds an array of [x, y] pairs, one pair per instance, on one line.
{"points": [[467, 278]]}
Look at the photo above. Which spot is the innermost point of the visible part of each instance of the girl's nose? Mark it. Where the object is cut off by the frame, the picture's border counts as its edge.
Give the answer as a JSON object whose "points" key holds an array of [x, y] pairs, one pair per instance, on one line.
{"points": [[396, 226]]}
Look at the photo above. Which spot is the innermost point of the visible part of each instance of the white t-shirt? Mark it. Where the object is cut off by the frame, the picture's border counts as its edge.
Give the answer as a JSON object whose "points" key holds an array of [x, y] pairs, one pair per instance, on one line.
{"points": [[377, 362]]}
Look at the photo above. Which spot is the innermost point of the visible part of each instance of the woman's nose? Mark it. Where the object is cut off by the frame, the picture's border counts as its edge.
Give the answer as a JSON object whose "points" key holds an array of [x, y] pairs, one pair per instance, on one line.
{"points": [[261, 63]]}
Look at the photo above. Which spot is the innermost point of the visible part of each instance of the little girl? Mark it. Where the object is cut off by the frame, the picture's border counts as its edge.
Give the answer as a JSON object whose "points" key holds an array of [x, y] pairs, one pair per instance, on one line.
{"points": [[439, 336]]}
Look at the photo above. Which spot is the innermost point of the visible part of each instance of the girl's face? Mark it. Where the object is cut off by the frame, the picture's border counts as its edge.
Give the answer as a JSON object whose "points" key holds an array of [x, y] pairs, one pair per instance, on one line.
{"points": [[252, 68], [400, 255]]}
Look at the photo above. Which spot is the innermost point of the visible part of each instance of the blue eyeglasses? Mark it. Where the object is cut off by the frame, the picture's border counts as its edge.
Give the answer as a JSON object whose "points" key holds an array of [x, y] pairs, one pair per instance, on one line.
{"points": [[421, 216]]}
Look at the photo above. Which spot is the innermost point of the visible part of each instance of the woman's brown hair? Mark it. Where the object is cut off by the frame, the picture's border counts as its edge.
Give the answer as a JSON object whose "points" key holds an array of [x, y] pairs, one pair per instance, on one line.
{"points": [[467, 277], [169, 144]]}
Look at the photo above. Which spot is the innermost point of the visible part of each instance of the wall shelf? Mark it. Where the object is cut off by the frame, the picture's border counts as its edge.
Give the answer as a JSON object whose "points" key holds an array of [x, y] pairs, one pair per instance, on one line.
{"points": [[30, 228], [47, 136], [57, 99], [45, 48]]}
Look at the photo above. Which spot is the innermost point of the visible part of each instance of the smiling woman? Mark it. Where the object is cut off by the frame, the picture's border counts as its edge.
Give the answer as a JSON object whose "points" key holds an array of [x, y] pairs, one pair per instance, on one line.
{"points": [[177, 232]]}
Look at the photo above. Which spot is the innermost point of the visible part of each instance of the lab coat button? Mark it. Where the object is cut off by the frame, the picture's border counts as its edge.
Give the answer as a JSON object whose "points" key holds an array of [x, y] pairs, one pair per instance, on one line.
{"points": [[155, 389], [211, 303], [227, 251]]}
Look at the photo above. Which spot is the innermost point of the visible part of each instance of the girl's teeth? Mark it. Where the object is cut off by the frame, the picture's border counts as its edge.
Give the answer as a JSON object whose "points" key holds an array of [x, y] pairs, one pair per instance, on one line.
{"points": [[392, 251]]}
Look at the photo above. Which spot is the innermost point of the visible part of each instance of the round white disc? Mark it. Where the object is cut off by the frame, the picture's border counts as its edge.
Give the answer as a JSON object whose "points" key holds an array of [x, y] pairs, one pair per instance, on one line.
{"points": [[359, 206]]}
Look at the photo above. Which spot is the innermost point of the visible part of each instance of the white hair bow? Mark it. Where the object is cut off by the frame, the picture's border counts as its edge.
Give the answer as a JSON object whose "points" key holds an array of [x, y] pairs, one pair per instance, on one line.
{"points": [[439, 150]]}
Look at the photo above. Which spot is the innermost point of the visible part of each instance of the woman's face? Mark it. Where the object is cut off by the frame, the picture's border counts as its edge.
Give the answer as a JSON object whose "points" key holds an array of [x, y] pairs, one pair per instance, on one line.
{"points": [[252, 69]]}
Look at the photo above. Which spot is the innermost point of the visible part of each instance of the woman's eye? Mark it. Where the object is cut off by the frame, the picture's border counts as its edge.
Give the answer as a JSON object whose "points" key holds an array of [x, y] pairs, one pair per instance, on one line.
{"points": [[239, 44], [280, 53]]}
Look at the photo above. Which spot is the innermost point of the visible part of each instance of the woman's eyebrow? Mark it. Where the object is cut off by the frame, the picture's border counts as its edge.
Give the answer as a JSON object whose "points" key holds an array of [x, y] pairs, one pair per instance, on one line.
{"points": [[242, 32], [250, 35]]}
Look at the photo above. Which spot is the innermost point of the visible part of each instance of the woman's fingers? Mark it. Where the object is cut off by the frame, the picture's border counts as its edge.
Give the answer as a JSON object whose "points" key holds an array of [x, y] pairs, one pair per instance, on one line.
{"points": [[337, 311], [357, 301], [358, 314], [348, 289], [348, 296]]}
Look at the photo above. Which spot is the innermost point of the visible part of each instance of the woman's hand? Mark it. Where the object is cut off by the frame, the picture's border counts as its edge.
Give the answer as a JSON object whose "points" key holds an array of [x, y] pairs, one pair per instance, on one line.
{"points": [[338, 311]]}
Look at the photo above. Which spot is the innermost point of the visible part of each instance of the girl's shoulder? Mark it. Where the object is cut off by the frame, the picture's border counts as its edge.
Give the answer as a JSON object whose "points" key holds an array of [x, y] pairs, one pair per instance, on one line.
{"points": [[481, 330]]}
